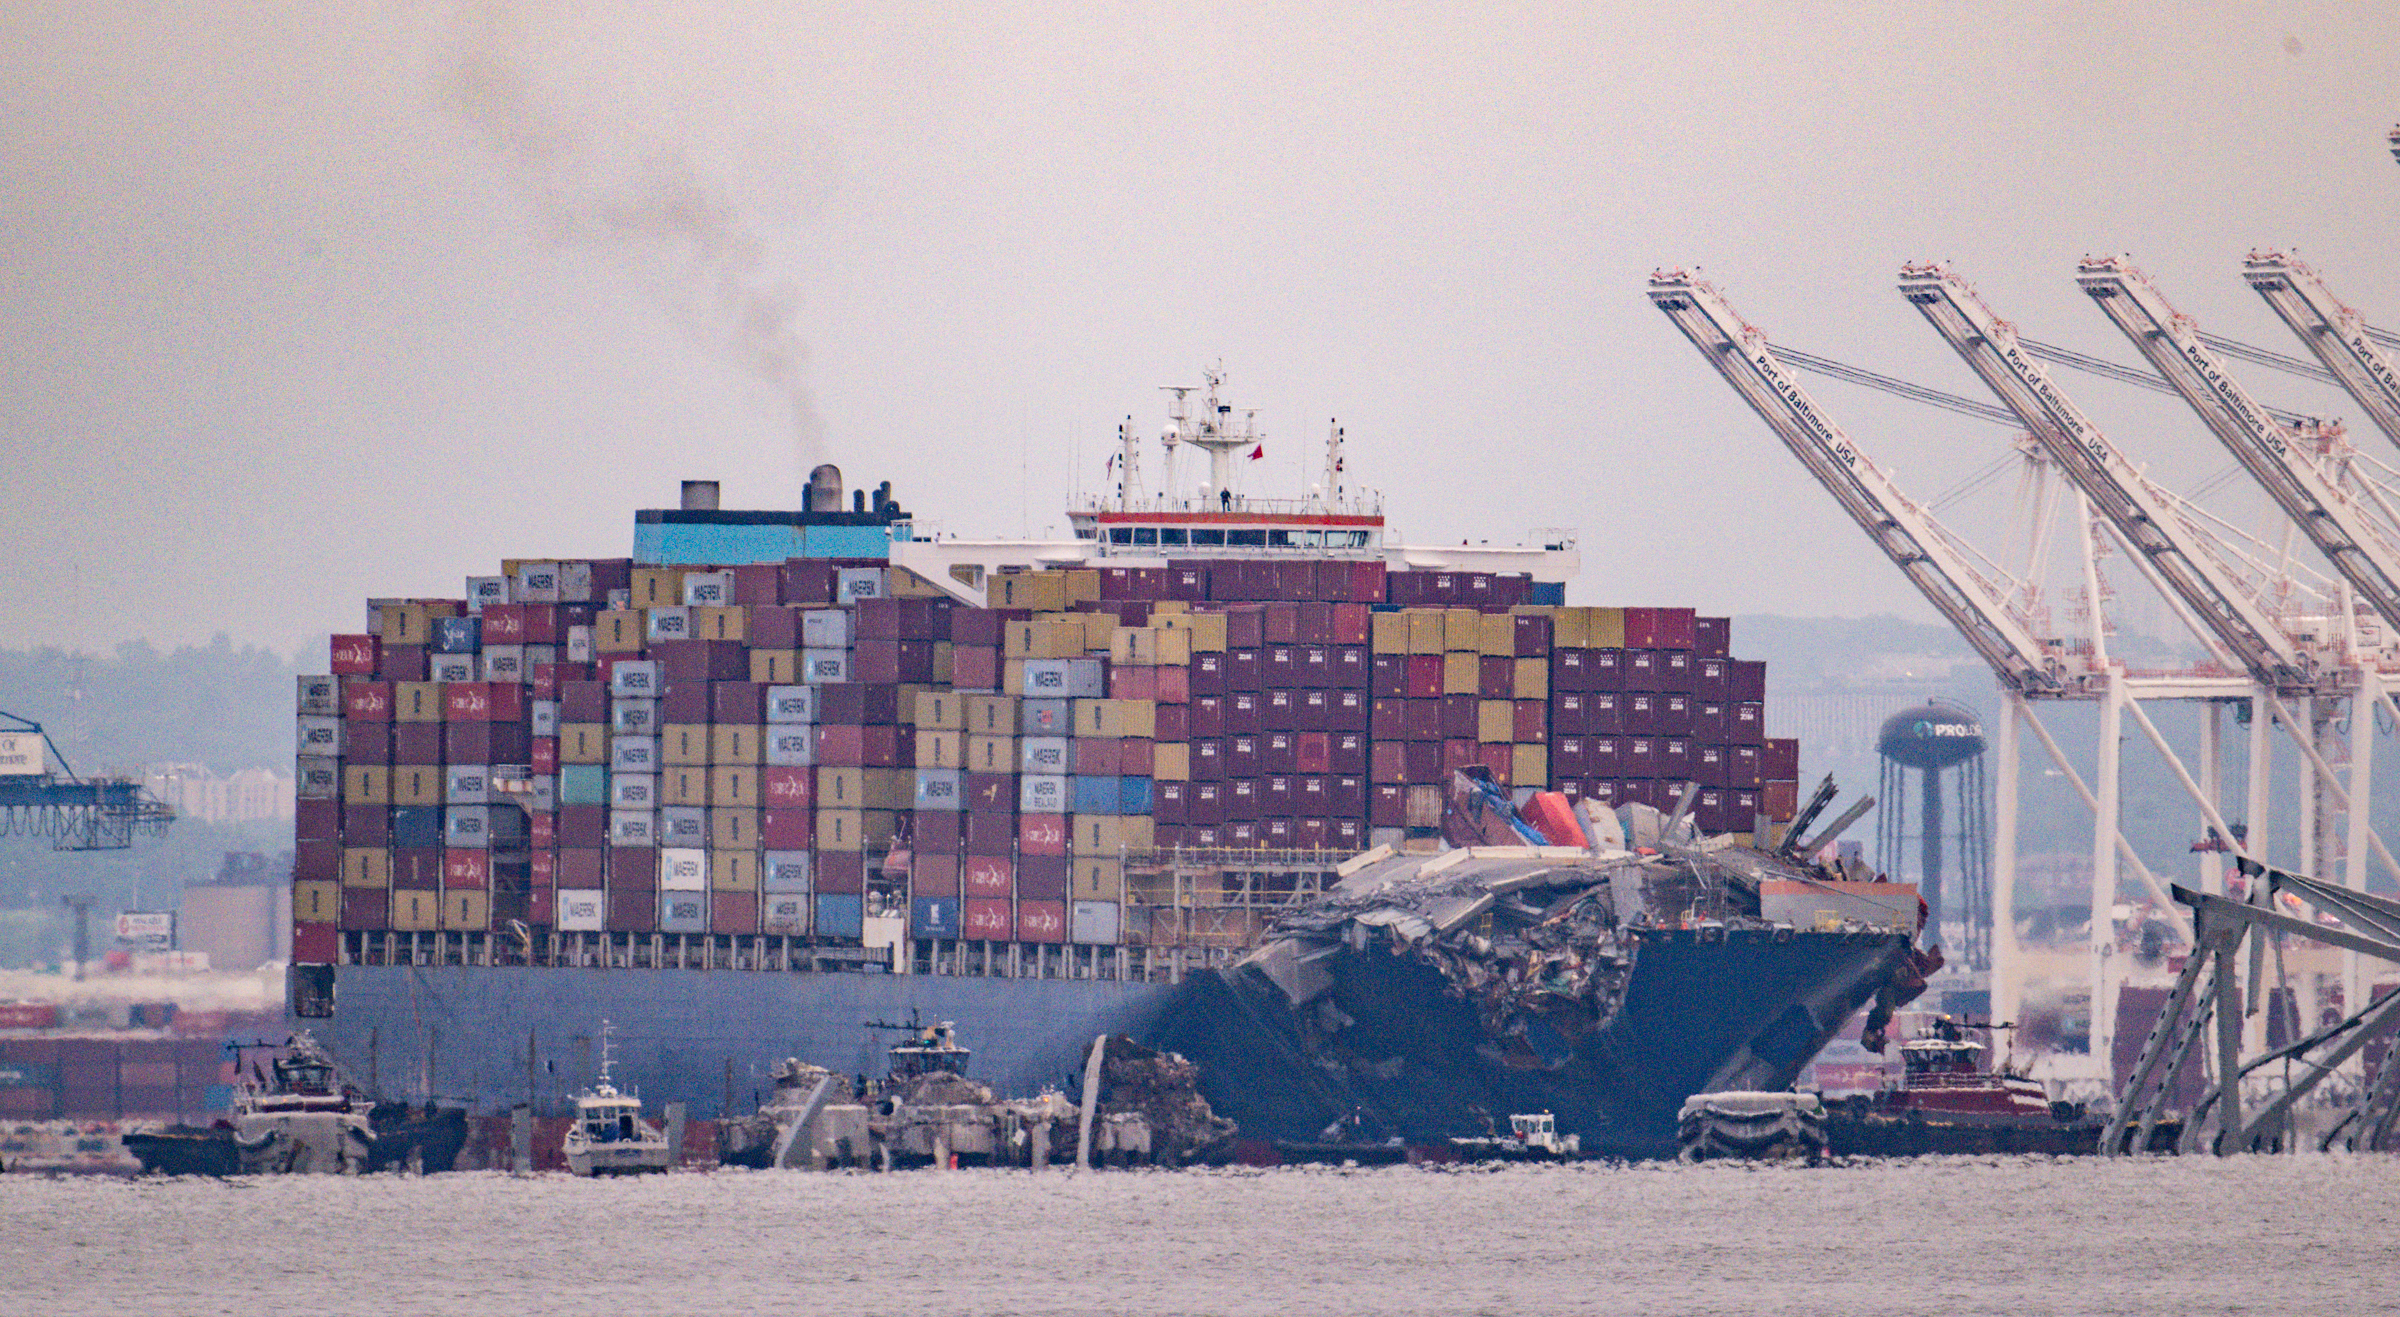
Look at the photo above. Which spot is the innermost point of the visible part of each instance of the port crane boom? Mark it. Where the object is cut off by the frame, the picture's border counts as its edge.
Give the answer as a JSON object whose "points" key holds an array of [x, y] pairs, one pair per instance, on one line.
{"points": [[1905, 532], [2143, 513], [2336, 334], [2359, 548]]}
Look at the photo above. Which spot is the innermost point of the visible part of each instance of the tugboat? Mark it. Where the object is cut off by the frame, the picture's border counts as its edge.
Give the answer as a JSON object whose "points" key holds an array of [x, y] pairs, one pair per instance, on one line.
{"points": [[609, 1136], [1947, 1101], [296, 1118]]}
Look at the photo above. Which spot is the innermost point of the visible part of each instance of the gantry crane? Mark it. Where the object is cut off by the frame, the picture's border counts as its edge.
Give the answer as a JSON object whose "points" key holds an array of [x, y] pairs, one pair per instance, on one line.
{"points": [[2337, 335], [103, 814], [2028, 666]]}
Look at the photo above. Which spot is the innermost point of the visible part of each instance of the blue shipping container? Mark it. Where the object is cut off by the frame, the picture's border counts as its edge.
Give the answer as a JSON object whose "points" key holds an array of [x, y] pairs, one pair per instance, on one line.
{"points": [[841, 916], [933, 916], [1133, 795], [582, 784], [457, 635], [1096, 795], [416, 826]]}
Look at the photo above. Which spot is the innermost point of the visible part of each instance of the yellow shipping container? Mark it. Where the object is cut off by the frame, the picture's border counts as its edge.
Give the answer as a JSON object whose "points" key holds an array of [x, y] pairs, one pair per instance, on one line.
{"points": [[1390, 634], [733, 870], [1532, 679], [1568, 629], [416, 911], [877, 827], [940, 711], [721, 622], [841, 830], [416, 702], [1529, 766], [1171, 761], [367, 784], [1495, 722], [418, 784], [945, 663], [685, 785], [467, 912], [1604, 628], [683, 744], [366, 866], [992, 715], [583, 743], [841, 788], [735, 743], [1174, 647], [1094, 834], [891, 788], [317, 903], [1082, 585], [1208, 633], [1496, 635], [620, 631], [1424, 630], [991, 754], [775, 667], [902, 583], [734, 785], [1462, 674], [657, 587], [1097, 880], [1462, 631], [941, 749], [732, 829]]}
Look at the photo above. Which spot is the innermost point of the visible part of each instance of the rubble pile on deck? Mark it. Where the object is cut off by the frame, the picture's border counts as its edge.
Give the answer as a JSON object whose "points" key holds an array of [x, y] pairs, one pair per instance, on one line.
{"points": [[1162, 1090]]}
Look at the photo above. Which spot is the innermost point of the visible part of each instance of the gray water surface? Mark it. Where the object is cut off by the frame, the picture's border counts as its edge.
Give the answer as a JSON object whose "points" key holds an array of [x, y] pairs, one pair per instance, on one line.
{"points": [[2311, 1234]]}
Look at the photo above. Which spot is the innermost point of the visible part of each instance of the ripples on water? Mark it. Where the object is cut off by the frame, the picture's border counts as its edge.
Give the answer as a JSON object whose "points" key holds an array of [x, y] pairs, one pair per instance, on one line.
{"points": [[1935, 1235]]}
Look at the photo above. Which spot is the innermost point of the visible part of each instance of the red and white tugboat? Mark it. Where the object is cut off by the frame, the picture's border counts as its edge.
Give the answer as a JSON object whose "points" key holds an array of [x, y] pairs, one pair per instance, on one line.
{"points": [[1949, 1101]]}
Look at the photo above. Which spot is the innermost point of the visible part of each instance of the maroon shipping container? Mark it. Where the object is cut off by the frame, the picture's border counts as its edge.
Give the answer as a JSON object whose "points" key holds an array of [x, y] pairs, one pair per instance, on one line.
{"points": [[487, 743], [321, 820], [1388, 676], [1387, 761], [632, 910], [318, 861], [1604, 670], [583, 702], [1205, 807], [934, 875], [1348, 753], [841, 746], [417, 868], [1495, 678], [366, 909], [1245, 627], [939, 832], [1745, 680], [807, 581], [987, 876], [1642, 671], [684, 702], [1530, 722], [404, 663], [1712, 637], [1604, 712], [1676, 671], [1459, 717], [1532, 635], [974, 668], [1094, 756], [1569, 758], [839, 872], [1673, 712], [1780, 758], [979, 627], [1569, 712], [367, 825], [371, 743], [1245, 670], [1749, 724], [367, 701], [733, 912], [1501, 763], [876, 619], [633, 868], [583, 825], [1208, 759], [737, 702], [991, 833], [1424, 676], [1168, 801], [1042, 877], [581, 868], [700, 660], [1245, 712]]}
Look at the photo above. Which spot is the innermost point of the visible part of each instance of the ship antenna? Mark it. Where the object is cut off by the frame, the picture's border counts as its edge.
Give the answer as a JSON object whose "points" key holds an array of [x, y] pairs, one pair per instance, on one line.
{"points": [[608, 1050], [1333, 465]]}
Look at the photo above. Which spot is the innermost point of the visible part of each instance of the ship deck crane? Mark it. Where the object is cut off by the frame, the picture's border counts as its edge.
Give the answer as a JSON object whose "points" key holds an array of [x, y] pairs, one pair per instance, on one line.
{"points": [[75, 814], [2334, 333], [2359, 546]]}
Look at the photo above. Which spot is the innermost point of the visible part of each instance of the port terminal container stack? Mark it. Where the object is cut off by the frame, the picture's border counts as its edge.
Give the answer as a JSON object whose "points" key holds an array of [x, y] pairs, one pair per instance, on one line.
{"points": [[823, 762]]}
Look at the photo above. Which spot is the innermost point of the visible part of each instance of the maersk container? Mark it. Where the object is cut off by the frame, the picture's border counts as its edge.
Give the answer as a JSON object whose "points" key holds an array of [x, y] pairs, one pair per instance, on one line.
{"points": [[841, 916], [1065, 679], [625, 791], [1041, 793], [707, 589], [682, 869], [683, 825], [467, 784], [791, 745], [321, 736], [581, 910], [635, 678], [825, 667], [467, 827], [683, 912], [851, 584], [584, 784], [939, 789], [791, 704], [933, 916], [669, 622], [626, 827], [633, 754], [784, 914], [485, 590], [825, 628], [449, 669], [544, 716], [786, 872], [1043, 754], [633, 716], [318, 778], [320, 697]]}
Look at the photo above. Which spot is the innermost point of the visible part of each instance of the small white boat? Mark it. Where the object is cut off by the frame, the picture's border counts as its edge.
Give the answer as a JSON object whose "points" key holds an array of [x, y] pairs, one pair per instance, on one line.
{"points": [[609, 1136]]}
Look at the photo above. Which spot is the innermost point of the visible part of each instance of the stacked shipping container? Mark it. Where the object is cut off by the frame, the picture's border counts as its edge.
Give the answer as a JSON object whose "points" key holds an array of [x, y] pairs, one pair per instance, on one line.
{"points": [[795, 749]]}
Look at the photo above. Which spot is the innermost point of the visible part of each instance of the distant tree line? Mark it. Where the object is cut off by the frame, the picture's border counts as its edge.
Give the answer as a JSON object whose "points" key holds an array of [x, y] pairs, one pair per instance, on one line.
{"points": [[225, 707]]}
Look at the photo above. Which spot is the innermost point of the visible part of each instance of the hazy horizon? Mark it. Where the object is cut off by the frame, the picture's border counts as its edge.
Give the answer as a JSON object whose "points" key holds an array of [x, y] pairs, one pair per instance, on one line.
{"points": [[316, 304]]}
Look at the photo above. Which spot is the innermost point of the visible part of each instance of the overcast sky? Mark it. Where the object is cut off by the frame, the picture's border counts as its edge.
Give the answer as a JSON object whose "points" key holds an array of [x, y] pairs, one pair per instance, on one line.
{"points": [[309, 303]]}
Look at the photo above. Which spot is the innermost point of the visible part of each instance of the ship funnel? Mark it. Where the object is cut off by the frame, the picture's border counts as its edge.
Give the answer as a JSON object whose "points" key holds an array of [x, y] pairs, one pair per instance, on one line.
{"points": [[824, 489], [699, 495]]}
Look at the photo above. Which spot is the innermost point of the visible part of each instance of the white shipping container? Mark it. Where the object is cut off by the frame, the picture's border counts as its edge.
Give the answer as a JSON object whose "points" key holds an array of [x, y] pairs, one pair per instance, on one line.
{"points": [[791, 704], [544, 798], [505, 663], [786, 871], [467, 784], [633, 791], [784, 914], [851, 584], [1042, 793], [1065, 679], [632, 827], [670, 622], [579, 648], [452, 668], [483, 590], [467, 827], [575, 582], [682, 869], [545, 717], [791, 745], [683, 912], [633, 717], [824, 667], [534, 583], [682, 825], [318, 778], [707, 589], [581, 911], [321, 737], [1042, 754], [825, 628], [1094, 923], [321, 697], [633, 754], [636, 678]]}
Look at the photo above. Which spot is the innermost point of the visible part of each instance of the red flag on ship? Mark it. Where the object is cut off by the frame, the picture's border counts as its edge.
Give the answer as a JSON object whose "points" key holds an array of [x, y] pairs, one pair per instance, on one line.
{"points": [[1258, 452]]}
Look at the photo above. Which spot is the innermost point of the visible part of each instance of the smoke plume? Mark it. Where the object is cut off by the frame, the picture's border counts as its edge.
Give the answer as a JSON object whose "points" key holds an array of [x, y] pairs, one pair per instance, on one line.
{"points": [[649, 207]]}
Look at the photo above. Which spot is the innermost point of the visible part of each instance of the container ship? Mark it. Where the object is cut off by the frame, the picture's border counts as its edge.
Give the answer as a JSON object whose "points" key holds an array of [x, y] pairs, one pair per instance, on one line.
{"points": [[780, 774]]}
